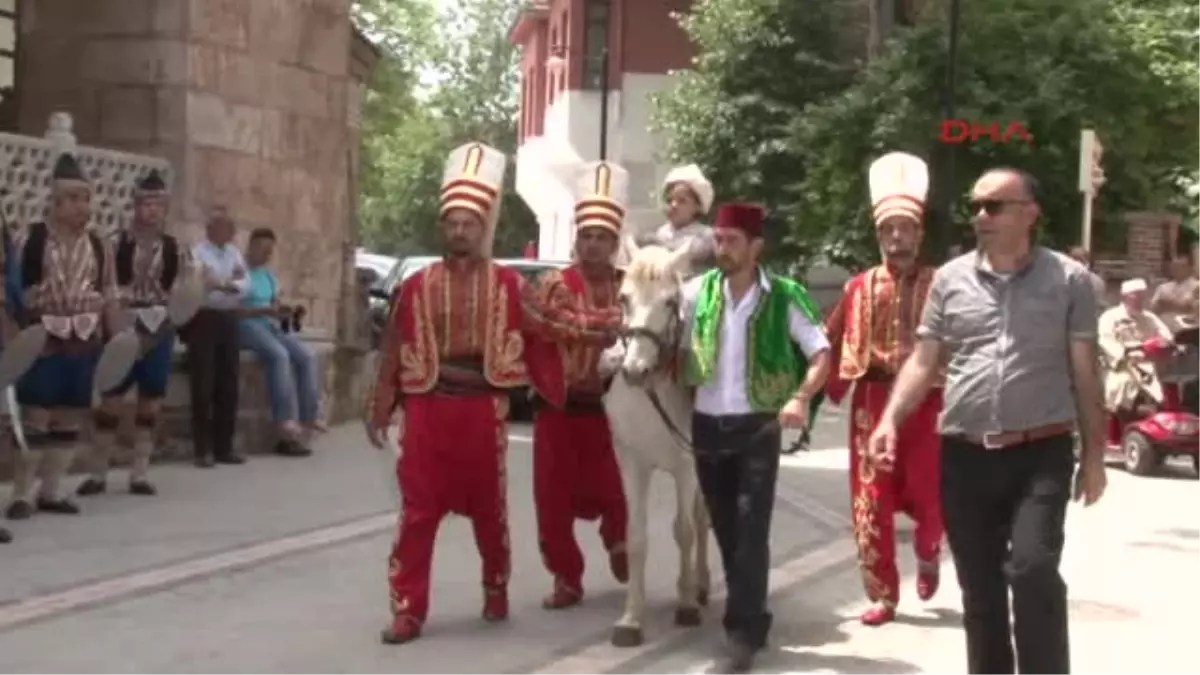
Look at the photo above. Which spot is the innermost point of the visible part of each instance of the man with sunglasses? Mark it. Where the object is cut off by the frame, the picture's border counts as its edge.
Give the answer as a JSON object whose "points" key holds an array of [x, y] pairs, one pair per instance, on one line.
{"points": [[1016, 325], [872, 331]]}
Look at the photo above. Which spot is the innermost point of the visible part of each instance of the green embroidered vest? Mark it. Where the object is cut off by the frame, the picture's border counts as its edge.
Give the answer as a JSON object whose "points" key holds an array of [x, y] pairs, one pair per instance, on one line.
{"points": [[775, 366]]}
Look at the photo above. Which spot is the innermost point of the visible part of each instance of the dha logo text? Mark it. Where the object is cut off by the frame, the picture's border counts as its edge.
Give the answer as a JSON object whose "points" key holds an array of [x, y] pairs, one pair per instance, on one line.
{"points": [[962, 131]]}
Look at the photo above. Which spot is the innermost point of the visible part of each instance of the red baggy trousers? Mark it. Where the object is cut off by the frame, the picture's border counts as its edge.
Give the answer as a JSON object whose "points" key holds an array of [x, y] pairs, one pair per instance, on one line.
{"points": [[912, 487], [575, 475], [453, 461]]}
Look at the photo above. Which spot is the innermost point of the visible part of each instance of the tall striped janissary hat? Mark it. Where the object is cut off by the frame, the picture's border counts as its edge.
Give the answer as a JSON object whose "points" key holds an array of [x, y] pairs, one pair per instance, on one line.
{"points": [[899, 186], [473, 180], [602, 197]]}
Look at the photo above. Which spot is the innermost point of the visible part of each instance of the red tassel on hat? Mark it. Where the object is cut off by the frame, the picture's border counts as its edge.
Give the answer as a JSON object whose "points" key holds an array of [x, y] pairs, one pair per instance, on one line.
{"points": [[741, 216]]}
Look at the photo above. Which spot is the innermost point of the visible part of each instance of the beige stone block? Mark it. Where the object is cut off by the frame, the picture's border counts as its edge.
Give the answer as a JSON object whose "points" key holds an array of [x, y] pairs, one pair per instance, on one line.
{"points": [[171, 114], [232, 74], [134, 61], [252, 189], [223, 22], [307, 195], [216, 123], [127, 114], [276, 136], [338, 89], [276, 27], [169, 17], [326, 38], [306, 92]]}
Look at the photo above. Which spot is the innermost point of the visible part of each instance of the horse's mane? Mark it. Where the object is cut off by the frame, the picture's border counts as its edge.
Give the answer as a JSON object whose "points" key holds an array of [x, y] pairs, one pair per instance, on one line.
{"points": [[651, 265]]}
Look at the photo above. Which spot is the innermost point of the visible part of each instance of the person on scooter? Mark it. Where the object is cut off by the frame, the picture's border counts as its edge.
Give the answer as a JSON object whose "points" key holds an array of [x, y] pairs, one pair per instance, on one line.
{"points": [[1125, 327]]}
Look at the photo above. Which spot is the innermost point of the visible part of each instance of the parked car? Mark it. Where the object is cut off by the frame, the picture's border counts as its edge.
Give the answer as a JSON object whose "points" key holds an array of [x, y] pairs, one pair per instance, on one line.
{"points": [[381, 295], [372, 266]]}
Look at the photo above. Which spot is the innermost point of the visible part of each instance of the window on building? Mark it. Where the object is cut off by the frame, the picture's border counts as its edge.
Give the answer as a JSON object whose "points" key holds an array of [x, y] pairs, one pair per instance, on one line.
{"points": [[595, 42], [8, 64]]}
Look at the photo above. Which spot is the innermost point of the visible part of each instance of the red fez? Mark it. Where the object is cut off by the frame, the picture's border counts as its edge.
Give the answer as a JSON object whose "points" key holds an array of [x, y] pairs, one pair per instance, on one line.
{"points": [[740, 216]]}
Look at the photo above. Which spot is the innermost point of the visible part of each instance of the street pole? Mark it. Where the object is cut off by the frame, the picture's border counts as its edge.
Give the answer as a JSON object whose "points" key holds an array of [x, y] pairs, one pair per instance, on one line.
{"points": [[948, 113], [1087, 221]]}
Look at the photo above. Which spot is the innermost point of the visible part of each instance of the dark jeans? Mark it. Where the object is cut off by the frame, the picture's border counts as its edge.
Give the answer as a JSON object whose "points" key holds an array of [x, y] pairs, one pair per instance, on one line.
{"points": [[1005, 511], [213, 359], [737, 462]]}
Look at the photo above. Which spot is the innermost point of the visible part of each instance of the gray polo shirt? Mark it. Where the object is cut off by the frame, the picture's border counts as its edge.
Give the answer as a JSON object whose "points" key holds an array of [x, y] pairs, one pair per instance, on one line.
{"points": [[1006, 337]]}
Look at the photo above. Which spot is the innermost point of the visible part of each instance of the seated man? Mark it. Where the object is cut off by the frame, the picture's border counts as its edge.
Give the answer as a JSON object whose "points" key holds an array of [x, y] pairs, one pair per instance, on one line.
{"points": [[1126, 325], [1177, 301], [291, 377]]}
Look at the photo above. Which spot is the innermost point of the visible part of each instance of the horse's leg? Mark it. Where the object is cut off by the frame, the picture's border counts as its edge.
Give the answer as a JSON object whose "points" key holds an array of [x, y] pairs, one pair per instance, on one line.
{"points": [[636, 477], [703, 574], [687, 612]]}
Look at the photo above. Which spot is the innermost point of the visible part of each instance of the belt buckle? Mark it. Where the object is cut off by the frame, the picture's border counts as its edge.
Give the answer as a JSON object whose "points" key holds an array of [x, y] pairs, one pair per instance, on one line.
{"points": [[988, 444]]}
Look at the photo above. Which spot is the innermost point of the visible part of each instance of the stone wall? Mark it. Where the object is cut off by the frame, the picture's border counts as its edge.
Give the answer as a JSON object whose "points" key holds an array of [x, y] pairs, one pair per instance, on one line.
{"points": [[254, 102]]}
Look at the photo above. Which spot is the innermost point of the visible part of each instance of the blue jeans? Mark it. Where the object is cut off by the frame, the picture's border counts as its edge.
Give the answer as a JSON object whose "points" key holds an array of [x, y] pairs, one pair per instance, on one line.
{"points": [[291, 379]]}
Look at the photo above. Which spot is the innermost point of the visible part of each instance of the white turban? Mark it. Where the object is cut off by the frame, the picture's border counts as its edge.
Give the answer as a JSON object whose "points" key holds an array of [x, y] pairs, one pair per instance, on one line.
{"points": [[1133, 286]]}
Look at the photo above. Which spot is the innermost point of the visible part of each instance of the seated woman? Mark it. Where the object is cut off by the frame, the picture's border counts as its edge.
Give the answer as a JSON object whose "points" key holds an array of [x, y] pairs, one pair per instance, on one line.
{"points": [[291, 381]]}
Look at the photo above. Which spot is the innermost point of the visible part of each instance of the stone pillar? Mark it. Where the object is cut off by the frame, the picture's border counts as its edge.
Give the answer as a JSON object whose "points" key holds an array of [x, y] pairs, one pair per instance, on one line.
{"points": [[1149, 243]]}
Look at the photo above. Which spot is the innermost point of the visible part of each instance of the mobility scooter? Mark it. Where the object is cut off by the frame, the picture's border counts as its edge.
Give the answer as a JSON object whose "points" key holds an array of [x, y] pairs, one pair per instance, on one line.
{"points": [[1164, 422]]}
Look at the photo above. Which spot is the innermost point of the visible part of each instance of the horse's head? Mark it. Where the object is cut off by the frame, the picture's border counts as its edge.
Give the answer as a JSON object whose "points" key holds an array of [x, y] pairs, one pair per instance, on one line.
{"points": [[650, 297]]}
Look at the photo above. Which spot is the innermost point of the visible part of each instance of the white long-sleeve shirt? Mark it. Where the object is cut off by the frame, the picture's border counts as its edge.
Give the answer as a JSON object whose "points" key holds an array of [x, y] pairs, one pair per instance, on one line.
{"points": [[726, 392], [220, 263]]}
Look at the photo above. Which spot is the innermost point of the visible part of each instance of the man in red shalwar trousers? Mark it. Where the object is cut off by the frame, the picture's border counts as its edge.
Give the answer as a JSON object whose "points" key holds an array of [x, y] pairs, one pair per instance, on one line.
{"points": [[574, 312], [872, 330], [453, 349]]}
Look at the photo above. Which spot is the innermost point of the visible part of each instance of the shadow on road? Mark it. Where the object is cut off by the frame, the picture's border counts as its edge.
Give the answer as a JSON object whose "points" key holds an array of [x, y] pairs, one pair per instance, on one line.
{"points": [[799, 647]]}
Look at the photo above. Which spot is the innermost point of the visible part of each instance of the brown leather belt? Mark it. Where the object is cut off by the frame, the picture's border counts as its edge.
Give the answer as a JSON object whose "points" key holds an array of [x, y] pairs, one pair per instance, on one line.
{"points": [[1007, 439]]}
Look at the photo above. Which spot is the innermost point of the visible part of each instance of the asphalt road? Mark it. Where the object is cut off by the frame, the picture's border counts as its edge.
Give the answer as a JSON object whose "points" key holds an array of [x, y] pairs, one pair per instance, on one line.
{"points": [[279, 566]]}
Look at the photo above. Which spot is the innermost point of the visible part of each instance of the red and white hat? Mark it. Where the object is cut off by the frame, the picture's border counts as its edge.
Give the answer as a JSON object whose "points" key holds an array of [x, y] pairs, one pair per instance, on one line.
{"points": [[602, 197], [473, 180], [899, 185]]}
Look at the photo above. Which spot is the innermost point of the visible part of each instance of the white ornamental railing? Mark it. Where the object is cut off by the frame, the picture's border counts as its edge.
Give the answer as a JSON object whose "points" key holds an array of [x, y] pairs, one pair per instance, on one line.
{"points": [[26, 164]]}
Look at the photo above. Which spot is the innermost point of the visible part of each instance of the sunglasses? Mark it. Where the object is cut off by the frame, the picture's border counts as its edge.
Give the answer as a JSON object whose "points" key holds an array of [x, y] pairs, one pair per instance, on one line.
{"points": [[992, 207]]}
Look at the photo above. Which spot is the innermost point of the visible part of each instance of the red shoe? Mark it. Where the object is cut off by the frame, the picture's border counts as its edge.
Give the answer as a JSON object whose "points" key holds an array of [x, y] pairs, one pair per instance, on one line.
{"points": [[563, 596], [878, 615], [404, 628], [495, 603], [618, 562], [928, 579]]}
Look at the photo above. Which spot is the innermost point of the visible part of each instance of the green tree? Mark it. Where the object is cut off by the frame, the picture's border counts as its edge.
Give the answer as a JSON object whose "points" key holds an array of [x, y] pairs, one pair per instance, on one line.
{"points": [[1123, 67], [401, 138], [449, 76], [759, 63]]}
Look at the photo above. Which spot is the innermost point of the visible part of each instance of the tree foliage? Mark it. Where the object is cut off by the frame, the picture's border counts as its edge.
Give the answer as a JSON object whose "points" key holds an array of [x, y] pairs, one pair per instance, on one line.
{"points": [[1126, 68], [448, 76]]}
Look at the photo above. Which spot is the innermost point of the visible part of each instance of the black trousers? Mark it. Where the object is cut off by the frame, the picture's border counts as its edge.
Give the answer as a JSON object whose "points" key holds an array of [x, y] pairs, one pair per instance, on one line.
{"points": [[213, 360], [737, 461], [1005, 512]]}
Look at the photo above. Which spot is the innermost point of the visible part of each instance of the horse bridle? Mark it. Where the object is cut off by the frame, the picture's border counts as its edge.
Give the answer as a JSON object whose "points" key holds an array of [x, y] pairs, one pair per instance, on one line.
{"points": [[665, 343]]}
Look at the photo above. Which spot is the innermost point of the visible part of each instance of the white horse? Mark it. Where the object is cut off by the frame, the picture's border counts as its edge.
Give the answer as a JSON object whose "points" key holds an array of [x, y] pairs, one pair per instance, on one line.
{"points": [[650, 413]]}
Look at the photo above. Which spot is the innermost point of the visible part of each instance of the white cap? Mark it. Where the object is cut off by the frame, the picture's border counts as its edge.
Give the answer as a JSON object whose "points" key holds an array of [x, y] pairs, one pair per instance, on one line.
{"points": [[1136, 285], [693, 177], [602, 197], [899, 185]]}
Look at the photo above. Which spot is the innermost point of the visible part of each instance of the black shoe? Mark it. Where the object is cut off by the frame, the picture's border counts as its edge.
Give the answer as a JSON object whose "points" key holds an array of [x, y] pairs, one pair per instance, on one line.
{"points": [[19, 510], [5, 536], [142, 487], [292, 449], [230, 459], [740, 657], [61, 506], [90, 487], [205, 462]]}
